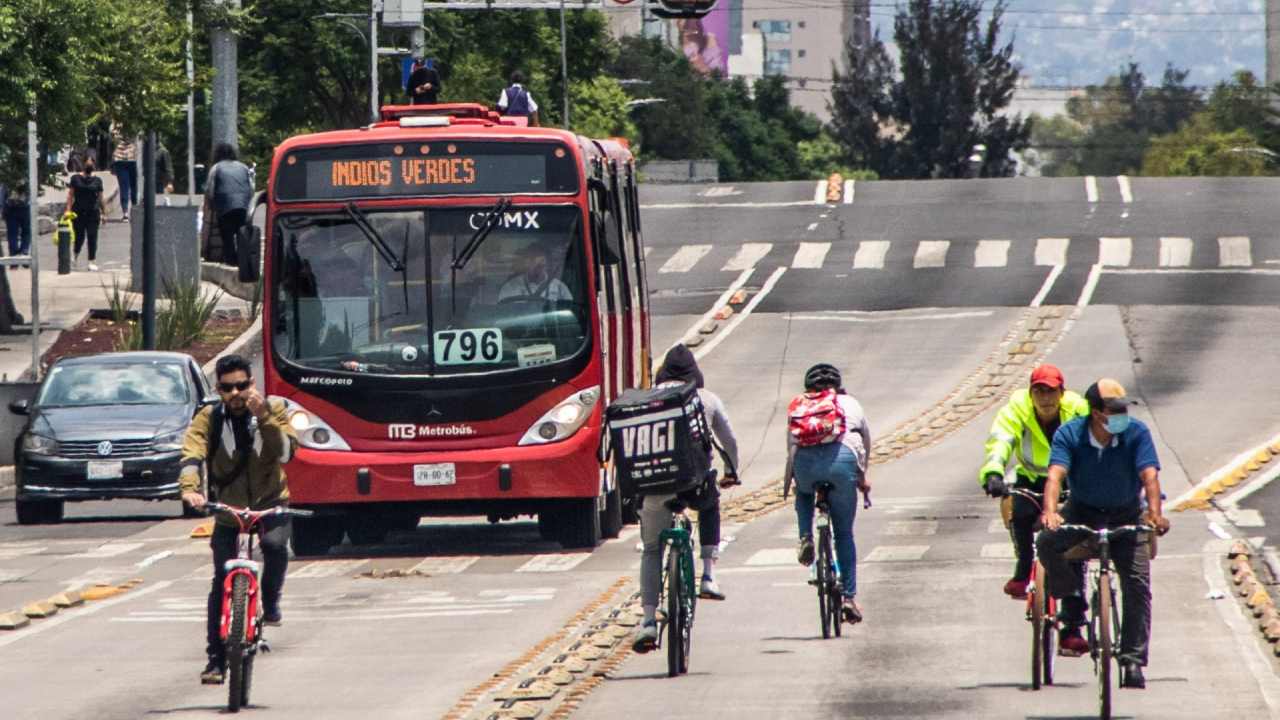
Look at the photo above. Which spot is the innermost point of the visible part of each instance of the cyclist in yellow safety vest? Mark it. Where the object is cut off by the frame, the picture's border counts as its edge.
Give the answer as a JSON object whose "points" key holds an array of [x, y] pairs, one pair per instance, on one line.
{"points": [[1024, 428]]}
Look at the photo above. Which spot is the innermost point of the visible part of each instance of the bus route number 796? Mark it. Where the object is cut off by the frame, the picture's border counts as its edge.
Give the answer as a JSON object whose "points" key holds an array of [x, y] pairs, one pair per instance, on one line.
{"points": [[475, 345]]}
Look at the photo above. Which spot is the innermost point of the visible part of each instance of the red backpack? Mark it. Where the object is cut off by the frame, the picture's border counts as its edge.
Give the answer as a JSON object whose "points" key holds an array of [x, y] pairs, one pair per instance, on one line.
{"points": [[816, 418]]}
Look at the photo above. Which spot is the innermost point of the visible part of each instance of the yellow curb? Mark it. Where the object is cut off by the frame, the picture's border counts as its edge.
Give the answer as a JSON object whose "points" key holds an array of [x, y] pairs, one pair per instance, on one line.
{"points": [[67, 599], [40, 609], [203, 530], [1259, 598], [100, 592], [13, 620]]}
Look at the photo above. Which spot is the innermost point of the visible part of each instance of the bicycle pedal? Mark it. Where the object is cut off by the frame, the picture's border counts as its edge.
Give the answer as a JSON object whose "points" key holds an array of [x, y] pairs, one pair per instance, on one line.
{"points": [[264, 647]]}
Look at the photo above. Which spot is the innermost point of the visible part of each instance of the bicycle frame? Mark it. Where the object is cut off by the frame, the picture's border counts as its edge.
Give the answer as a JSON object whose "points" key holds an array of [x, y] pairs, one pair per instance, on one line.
{"points": [[243, 565], [678, 619]]}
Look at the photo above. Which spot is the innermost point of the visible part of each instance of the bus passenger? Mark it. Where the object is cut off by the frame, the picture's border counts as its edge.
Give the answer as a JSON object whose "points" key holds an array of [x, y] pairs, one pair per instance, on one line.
{"points": [[516, 101]]}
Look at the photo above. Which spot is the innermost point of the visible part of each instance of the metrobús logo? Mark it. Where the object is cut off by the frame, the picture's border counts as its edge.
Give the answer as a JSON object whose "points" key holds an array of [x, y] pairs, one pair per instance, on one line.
{"points": [[324, 381], [409, 431]]}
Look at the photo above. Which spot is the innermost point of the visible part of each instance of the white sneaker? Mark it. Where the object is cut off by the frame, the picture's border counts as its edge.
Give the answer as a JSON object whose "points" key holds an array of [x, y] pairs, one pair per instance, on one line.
{"points": [[93, 267], [709, 590], [646, 638], [813, 573]]}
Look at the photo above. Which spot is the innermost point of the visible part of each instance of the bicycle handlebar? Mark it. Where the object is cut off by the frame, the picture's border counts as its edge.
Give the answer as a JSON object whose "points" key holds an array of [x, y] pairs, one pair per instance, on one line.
{"points": [[247, 514], [1106, 533]]}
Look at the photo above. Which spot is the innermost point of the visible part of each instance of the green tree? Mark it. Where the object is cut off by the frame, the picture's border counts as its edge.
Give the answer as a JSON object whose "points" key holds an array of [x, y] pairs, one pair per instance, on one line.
{"points": [[676, 125], [1244, 103], [1056, 145], [599, 109], [861, 105], [1200, 148]]}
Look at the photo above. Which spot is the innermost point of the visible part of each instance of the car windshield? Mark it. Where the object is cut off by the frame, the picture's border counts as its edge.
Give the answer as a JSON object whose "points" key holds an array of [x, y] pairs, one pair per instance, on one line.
{"points": [[140, 383], [425, 292]]}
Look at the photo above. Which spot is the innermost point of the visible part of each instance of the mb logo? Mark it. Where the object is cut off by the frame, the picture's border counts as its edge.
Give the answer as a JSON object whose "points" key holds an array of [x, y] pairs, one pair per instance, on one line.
{"points": [[402, 431]]}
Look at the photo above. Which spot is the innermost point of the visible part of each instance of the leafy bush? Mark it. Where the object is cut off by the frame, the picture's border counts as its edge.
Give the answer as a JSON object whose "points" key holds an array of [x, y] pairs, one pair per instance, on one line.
{"points": [[179, 324], [118, 300]]}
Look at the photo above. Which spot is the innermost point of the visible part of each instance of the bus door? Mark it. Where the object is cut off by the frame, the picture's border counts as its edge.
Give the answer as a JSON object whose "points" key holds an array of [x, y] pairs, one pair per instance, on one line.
{"points": [[628, 319], [608, 299]]}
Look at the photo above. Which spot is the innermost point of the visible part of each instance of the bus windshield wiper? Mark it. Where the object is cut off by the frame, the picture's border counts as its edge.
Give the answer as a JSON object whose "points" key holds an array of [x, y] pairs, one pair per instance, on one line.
{"points": [[361, 221], [492, 219]]}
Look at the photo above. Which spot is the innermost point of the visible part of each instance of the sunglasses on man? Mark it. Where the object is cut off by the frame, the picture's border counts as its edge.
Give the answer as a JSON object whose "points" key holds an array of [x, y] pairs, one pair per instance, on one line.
{"points": [[243, 385]]}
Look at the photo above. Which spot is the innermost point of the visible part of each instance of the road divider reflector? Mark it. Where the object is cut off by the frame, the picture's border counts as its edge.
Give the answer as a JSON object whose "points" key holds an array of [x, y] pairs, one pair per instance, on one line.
{"points": [[709, 328], [1240, 548], [738, 297], [1272, 631], [67, 599], [40, 609], [13, 620], [1268, 616], [1258, 599], [529, 689], [518, 711], [724, 313], [100, 592]]}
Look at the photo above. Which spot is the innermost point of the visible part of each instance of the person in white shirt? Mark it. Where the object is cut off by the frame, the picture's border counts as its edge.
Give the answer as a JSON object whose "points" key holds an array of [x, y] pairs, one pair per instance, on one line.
{"points": [[534, 281], [516, 101]]}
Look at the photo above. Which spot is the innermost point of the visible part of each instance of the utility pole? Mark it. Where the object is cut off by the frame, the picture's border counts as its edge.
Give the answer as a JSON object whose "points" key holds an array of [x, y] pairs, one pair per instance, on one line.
{"points": [[191, 108], [375, 7], [1273, 50], [564, 65], [226, 82], [149, 243], [33, 201]]}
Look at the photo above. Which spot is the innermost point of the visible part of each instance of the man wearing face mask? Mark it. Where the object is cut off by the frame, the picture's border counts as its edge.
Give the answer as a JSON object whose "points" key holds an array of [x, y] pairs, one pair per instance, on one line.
{"points": [[534, 281], [1108, 460]]}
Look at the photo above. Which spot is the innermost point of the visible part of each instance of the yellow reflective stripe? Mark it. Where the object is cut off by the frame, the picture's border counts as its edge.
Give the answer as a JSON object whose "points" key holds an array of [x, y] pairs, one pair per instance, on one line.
{"points": [[1027, 455]]}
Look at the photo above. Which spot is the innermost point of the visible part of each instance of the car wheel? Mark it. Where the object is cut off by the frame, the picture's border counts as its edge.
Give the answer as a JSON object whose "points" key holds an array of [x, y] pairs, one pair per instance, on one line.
{"points": [[39, 512]]}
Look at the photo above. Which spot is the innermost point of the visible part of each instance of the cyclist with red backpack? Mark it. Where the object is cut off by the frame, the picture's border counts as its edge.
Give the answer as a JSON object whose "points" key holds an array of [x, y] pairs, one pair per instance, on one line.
{"points": [[829, 441]]}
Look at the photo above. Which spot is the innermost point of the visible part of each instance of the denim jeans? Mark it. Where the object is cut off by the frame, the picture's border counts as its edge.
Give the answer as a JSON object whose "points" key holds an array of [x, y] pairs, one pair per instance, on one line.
{"points": [[126, 172], [834, 463], [17, 224], [275, 554]]}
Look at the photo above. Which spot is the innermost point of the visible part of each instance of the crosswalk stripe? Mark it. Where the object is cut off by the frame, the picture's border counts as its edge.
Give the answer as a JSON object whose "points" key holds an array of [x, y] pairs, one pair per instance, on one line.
{"points": [[998, 551], [991, 253], [553, 562], [773, 556], [1175, 252], [895, 553], [811, 255], [870, 255], [931, 254], [1052, 251], [325, 568], [107, 551], [685, 258], [997, 526], [748, 255], [911, 527], [444, 565], [1115, 251], [1234, 252]]}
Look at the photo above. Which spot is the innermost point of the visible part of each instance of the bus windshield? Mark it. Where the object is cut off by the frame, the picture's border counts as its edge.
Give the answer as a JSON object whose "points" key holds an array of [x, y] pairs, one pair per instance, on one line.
{"points": [[393, 297]]}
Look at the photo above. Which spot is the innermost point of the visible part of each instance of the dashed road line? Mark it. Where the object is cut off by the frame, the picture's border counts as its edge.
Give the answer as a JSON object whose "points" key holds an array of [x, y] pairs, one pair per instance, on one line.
{"points": [[444, 565], [553, 562], [870, 255], [1234, 251], [1115, 251], [1091, 188], [1052, 251], [820, 193], [896, 553], [325, 569], [1175, 251], [109, 550], [1047, 285], [747, 256], [740, 317], [1126, 190], [998, 551], [848, 192], [811, 255], [991, 254], [931, 254]]}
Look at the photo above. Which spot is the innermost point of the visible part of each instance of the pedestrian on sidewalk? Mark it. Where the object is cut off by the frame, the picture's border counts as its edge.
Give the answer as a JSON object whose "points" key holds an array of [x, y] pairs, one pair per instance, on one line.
{"points": [[516, 101], [124, 165], [85, 199], [164, 169], [17, 221], [228, 193], [424, 83]]}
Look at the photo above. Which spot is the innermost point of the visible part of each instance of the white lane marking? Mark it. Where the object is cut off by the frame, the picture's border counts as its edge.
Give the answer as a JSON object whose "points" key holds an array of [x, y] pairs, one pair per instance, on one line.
{"points": [[1126, 190], [1234, 252], [684, 259], [870, 255], [911, 527], [153, 559], [553, 562], [533, 594], [9, 576], [84, 611], [1242, 631], [720, 302], [13, 550], [896, 553], [1175, 251], [325, 568], [1052, 251], [1192, 271], [931, 254], [812, 227], [820, 193], [689, 206], [737, 319], [444, 565], [1115, 251], [998, 551], [880, 317], [720, 191], [107, 551], [299, 617], [748, 255], [1052, 278], [1090, 285], [997, 526], [1091, 188], [848, 192], [647, 250], [773, 556], [991, 253], [811, 255]]}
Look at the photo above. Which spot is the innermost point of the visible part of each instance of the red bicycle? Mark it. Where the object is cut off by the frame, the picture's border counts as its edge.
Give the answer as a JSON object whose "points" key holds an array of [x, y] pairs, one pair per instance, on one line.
{"points": [[1042, 612], [241, 626]]}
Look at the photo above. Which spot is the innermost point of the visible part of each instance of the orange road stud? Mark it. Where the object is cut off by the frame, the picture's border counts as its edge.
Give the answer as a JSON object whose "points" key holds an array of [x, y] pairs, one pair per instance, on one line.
{"points": [[203, 530]]}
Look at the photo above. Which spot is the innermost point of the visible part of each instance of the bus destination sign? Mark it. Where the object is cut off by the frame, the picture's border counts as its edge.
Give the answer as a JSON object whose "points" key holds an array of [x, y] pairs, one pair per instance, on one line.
{"points": [[425, 169]]}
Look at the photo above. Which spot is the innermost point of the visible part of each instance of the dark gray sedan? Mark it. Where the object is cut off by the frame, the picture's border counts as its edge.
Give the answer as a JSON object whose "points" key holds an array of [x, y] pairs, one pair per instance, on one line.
{"points": [[104, 427]]}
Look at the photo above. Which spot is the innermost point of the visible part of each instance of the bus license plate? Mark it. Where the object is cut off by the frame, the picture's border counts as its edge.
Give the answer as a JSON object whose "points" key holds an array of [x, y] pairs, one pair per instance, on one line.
{"points": [[437, 474], [106, 469]]}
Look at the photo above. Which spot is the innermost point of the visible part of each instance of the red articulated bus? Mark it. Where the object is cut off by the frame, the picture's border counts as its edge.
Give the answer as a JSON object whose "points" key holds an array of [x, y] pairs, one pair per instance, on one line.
{"points": [[450, 300]]}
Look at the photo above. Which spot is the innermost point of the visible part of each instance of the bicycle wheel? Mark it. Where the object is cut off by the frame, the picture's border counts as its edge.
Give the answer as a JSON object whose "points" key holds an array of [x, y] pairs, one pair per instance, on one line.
{"points": [[1049, 633], [1038, 623], [835, 592], [824, 580], [1105, 650], [689, 604], [237, 645], [675, 617]]}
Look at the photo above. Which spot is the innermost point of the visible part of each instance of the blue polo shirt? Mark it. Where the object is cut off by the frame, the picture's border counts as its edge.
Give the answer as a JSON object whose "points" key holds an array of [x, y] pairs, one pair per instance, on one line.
{"points": [[1105, 478]]}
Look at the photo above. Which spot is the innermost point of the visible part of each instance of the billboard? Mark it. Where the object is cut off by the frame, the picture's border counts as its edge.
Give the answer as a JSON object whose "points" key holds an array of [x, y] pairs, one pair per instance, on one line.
{"points": [[706, 40]]}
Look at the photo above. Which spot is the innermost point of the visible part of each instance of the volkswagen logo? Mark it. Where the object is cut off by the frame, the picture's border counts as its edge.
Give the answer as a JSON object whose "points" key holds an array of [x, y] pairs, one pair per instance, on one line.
{"points": [[104, 448]]}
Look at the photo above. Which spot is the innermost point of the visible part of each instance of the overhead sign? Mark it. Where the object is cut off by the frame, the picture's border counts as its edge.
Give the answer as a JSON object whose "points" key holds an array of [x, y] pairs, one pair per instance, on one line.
{"points": [[402, 13], [425, 169]]}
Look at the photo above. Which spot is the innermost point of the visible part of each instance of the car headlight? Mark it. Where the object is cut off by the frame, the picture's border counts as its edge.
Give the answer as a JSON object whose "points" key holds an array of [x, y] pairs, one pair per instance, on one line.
{"points": [[39, 444], [564, 419], [313, 432], [169, 442]]}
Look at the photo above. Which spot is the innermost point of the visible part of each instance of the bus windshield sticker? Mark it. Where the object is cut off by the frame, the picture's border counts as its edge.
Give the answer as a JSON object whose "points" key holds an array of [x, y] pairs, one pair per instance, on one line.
{"points": [[536, 355], [468, 346]]}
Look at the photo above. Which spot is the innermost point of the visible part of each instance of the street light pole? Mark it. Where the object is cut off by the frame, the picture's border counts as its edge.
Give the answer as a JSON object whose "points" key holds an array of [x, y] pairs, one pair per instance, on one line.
{"points": [[374, 7], [33, 200], [191, 108], [564, 64]]}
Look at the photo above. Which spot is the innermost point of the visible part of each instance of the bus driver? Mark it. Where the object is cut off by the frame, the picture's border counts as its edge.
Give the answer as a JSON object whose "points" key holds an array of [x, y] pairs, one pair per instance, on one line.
{"points": [[533, 280]]}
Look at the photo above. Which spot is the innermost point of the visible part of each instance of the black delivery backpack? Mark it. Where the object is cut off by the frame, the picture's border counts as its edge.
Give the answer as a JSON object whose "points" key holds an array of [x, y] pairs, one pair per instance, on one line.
{"points": [[659, 440]]}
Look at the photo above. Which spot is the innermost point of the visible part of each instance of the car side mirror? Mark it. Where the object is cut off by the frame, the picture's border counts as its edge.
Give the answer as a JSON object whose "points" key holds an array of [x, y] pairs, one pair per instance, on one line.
{"points": [[20, 407]]}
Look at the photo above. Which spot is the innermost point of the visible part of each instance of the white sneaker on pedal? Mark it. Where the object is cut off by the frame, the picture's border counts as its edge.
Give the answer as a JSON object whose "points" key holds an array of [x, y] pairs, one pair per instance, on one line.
{"points": [[646, 638], [709, 590]]}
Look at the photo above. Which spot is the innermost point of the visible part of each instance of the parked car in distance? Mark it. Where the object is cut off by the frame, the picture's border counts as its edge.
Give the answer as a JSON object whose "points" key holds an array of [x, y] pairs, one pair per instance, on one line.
{"points": [[104, 427]]}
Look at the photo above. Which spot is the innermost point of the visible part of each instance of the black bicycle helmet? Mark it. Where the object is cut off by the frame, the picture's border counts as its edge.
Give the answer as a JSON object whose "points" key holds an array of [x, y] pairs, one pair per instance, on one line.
{"points": [[822, 376]]}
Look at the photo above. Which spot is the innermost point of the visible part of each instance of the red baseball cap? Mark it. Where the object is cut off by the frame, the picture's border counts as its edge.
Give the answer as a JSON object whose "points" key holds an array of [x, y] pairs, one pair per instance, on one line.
{"points": [[1048, 375]]}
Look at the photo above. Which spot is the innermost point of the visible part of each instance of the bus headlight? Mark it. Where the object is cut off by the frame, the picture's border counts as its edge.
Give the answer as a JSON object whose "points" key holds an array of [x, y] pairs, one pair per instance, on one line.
{"points": [[313, 432], [564, 419]]}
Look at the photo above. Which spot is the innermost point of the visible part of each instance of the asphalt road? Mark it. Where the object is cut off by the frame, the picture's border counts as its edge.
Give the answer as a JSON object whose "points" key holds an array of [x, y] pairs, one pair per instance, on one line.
{"points": [[918, 287]]}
